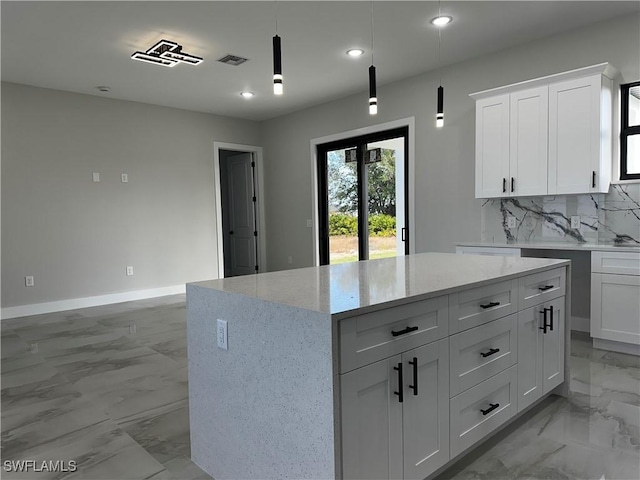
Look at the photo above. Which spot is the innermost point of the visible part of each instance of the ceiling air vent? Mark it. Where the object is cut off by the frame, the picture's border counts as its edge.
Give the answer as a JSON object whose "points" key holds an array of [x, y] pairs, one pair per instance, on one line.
{"points": [[232, 60]]}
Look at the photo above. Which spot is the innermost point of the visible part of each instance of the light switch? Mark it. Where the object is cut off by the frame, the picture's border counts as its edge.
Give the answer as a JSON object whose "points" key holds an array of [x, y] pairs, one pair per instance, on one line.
{"points": [[96, 177]]}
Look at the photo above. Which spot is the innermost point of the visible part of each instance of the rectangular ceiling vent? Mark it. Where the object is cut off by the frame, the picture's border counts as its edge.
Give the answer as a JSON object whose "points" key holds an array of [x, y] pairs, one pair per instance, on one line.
{"points": [[232, 60]]}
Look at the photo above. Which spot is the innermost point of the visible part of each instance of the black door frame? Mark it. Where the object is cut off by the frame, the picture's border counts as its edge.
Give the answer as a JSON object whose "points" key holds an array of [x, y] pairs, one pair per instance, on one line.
{"points": [[359, 143]]}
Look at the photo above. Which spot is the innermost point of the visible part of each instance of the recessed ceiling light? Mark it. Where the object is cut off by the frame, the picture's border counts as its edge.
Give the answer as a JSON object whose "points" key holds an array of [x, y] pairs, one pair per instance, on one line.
{"points": [[355, 52], [441, 21], [246, 94]]}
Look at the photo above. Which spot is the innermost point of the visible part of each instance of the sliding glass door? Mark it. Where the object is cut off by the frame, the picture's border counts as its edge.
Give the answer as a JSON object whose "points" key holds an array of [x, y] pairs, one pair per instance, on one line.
{"points": [[363, 189]]}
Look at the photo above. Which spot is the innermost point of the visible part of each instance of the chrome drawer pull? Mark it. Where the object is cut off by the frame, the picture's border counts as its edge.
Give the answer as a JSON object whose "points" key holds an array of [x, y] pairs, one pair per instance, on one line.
{"points": [[545, 288], [490, 409], [491, 304], [490, 352], [403, 332]]}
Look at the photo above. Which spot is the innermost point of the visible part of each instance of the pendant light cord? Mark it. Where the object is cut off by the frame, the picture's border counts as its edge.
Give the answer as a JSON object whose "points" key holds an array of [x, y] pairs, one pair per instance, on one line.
{"points": [[371, 32], [440, 44], [276, 2]]}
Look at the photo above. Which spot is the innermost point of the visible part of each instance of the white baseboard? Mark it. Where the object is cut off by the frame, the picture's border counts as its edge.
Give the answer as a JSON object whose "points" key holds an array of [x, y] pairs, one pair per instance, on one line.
{"points": [[581, 324], [73, 303], [630, 348]]}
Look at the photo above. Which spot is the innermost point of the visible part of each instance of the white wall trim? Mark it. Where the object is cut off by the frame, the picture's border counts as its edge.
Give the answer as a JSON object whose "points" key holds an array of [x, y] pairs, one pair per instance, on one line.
{"points": [[613, 346], [262, 245], [403, 122], [73, 303]]}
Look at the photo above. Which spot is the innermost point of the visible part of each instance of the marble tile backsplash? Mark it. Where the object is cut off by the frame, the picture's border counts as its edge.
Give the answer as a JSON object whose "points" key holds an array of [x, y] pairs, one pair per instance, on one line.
{"points": [[604, 218]]}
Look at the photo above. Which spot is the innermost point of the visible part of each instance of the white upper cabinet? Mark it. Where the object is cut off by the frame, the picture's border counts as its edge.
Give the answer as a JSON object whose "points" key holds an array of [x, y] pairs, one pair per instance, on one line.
{"points": [[580, 135], [546, 136]]}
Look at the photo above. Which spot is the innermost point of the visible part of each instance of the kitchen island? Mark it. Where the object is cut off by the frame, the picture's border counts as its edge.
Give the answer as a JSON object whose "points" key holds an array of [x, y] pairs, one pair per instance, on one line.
{"points": [[391, 368]]}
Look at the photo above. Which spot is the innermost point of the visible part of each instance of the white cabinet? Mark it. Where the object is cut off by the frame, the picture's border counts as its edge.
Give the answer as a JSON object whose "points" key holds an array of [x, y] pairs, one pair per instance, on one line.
{"points": [[492, 147], [540, 350], [395, 415], [580, 136], [550, 135]]}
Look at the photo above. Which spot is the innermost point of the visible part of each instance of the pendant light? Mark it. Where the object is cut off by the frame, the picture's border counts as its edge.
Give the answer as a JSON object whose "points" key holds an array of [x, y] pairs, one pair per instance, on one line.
{"points": [[277, 61], [440, 108], [373, 99]]}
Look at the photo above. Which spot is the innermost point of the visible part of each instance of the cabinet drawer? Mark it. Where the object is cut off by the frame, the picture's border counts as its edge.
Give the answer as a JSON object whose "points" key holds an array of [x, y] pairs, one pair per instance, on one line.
{"points": [[476, 306], [481, 352], [371, 337], [541, 287], [481, 409], [625, 263]]}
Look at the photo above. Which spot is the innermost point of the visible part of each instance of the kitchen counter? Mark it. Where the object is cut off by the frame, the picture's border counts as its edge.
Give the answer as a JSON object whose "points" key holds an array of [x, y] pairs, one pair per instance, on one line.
{"points": [[587, 247], [279, 396]]}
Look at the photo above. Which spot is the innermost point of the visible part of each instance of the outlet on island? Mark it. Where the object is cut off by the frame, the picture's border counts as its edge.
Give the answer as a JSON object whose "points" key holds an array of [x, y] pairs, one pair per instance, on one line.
{"points": [[129, 271], [511, 222]]}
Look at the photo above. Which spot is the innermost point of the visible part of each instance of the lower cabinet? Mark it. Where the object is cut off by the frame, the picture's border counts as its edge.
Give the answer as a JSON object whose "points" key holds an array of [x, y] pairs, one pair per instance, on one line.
{"points": [[615, 307], [395, 415], [540, 350]]}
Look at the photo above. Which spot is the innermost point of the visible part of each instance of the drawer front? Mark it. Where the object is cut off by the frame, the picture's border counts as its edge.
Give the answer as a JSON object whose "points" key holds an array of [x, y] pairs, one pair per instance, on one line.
{"points": [[371, 337], [625, 263], [481, 352], [481, 409], [541, 287], [473, 307]]}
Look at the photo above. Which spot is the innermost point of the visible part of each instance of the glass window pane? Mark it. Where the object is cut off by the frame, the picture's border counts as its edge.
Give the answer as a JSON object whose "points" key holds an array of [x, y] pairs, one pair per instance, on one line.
{"points": [[633, 154], [342, 179], [634, 106]]}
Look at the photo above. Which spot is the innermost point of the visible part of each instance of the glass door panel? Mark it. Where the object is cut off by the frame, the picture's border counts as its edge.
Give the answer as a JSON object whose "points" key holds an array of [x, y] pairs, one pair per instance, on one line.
{"points": [[384, 163], [342, 176]]}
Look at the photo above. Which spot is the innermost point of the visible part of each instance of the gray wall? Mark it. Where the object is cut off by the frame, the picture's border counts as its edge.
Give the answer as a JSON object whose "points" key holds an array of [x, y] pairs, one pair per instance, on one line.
{"points": [[76, 237], [446, 210]]}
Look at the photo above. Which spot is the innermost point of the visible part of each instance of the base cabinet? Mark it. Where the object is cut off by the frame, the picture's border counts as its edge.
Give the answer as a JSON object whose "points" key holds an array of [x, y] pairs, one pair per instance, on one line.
{"points": [[540, 350], [395, 415], [615, 307]]}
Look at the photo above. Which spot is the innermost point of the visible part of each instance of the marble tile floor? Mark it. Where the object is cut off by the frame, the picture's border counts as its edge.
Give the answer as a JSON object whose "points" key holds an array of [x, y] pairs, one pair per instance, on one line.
{"points": [[103, 386], [85, 385]]}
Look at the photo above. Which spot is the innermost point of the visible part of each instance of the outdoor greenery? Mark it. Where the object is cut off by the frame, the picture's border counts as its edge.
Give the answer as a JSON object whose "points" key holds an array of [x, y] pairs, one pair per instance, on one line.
{"points": [[381, 178], [346, 224]]}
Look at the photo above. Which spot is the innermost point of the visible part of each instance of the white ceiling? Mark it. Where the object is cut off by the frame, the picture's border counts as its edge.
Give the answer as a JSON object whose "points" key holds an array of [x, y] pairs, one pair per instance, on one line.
{"points": [[76, 46]]}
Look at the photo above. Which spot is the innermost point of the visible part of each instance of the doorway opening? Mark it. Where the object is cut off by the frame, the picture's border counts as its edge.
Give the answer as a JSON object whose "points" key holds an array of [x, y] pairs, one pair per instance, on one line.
{"points": [[363, 197], [239, 214]]}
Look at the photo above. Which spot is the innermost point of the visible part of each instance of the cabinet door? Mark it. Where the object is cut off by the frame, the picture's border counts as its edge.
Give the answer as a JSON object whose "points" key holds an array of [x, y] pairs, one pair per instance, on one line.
{"points": [[426, 412], [529, 126], [492, 147], [615, 308], [372, 422], [553, 347], [529, 356], [574, 135]]}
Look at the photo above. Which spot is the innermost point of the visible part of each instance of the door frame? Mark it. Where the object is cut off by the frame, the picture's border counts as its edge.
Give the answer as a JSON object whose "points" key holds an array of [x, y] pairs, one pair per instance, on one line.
{"points": [[409, 123], [258, 158]]}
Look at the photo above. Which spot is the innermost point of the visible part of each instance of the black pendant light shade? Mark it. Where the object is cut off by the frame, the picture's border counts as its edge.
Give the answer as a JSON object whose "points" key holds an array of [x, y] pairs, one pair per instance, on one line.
{"points": [[440, 112], [277, 66], [373, 100]]}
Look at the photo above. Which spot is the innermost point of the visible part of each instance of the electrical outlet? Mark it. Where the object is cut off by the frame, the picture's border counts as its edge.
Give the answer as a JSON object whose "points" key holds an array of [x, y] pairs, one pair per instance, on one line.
{"points": [[511, 222], [129, 271], [575, 221], [96, 177], [133, 328], [34, 348], [28, 281], [124, 178], [309, 223], [221, 334], [290, 260]]}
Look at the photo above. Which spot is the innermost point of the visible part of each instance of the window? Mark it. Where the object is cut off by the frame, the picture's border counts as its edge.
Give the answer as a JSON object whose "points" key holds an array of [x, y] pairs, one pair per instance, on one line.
{"points": [[630, 134]]}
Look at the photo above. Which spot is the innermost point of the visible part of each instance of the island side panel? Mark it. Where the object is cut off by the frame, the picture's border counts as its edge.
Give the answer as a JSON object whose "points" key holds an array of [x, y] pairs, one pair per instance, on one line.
{"points": [[264, 408]]}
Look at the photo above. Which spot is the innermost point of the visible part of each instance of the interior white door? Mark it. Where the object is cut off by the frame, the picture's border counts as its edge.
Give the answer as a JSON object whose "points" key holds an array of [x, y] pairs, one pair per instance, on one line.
{"points": [[242, 239], [529, 140]]}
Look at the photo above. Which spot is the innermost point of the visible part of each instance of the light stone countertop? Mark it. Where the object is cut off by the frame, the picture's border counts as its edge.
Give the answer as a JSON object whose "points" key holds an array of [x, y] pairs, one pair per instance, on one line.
{"points": [[371, 285], [600, 247]]}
